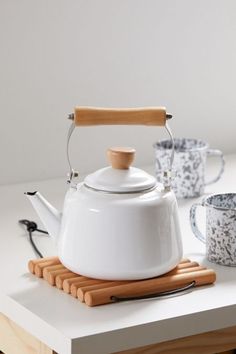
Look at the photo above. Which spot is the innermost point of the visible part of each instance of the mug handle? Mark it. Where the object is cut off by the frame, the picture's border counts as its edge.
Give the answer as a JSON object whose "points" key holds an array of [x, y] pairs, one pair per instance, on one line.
{"points": [[215, 152], [193, 223]]}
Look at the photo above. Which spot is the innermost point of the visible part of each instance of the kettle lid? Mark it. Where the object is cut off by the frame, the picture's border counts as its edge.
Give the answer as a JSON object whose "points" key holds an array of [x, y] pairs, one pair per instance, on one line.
{"points": [[120, 177]]}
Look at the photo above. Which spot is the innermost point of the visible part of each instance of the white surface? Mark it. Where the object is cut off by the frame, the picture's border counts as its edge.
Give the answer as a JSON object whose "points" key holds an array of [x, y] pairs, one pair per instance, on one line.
{"points": [[115, 236], [48, 214], [66, 325], [120, 180], [58, 54]]}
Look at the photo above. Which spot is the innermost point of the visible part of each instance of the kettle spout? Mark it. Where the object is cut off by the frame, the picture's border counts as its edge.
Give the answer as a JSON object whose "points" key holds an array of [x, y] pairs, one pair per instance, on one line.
{"points": [[50, 216]]}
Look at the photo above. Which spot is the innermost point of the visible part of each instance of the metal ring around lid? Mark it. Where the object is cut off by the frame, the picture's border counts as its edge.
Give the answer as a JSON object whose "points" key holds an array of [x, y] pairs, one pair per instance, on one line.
{"points": [[126, 192]]}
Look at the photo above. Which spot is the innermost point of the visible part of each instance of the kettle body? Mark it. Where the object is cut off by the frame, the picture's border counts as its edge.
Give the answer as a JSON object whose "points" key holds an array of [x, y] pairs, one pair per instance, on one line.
{"points": [[120, 236]]}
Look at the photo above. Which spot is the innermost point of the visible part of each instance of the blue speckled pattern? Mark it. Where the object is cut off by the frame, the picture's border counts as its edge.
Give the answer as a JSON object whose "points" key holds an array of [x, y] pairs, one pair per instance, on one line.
{"points": [[220, 228], [188, 167]]}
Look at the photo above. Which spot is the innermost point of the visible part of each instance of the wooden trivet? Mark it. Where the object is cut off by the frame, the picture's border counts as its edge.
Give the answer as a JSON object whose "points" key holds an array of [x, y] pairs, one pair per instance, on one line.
{"points": [[97, 292]]}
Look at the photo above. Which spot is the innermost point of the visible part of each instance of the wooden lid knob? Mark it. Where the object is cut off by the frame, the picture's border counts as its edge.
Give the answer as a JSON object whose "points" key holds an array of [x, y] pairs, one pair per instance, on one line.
{"points": [[121, 157]]}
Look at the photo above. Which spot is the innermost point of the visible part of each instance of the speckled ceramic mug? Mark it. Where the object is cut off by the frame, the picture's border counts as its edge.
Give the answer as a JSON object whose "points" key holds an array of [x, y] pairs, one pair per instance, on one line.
{"points": [[220, 236], [189, 165]]}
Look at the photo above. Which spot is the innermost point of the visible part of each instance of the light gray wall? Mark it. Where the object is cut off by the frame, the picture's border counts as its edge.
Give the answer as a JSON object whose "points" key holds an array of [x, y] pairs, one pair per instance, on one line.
{"points": [[56, 54]]}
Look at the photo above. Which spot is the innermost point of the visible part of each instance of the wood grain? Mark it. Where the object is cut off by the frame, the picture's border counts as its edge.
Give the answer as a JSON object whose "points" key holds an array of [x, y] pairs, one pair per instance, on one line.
{"points": [[85, 116], [61, 277], [38, 270], [47, 270], [33, 262], [15, 340], [178, 270], [187, 265], [207, 343], [120, 158], [97, 292], [184, 260], [75, 286], [82, 290], [67, 283], [149, 286], [51, 277]]}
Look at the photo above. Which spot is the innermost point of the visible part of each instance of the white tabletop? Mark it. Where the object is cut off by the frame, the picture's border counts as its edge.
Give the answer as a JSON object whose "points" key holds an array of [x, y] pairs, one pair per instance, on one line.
{"points": [[68, 326]]}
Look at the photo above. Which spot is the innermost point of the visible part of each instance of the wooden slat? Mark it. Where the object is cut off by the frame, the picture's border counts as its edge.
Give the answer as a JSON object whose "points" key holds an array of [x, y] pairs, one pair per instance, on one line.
{"points": [[207, 343], [183, 274], [15, 340], [149, 286], [33, 262]]}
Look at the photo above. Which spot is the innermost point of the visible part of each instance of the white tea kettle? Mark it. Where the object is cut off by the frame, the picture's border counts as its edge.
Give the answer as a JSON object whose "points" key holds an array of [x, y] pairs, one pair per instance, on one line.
{"points": [[119, 223]]}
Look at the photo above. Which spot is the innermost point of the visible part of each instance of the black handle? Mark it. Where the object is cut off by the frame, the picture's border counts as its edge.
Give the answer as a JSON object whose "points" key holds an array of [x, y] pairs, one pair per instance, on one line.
{"points": [[155, 295]]}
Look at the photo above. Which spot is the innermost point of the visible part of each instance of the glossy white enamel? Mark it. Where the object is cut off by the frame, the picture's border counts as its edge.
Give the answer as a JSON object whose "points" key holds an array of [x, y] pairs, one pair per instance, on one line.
{"points": [[120, 180], [112, 227], [120, 236], [50, 216]]}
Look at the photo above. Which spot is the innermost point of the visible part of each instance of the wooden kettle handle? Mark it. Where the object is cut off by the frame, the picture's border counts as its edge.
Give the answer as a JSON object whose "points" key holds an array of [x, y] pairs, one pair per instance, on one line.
{"points": [[85, 116]]}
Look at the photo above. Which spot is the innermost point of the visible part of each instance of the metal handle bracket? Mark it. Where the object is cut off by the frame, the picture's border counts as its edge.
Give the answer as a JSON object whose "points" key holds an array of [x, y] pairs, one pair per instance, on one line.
{"points": [[74, 174]]}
